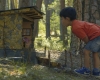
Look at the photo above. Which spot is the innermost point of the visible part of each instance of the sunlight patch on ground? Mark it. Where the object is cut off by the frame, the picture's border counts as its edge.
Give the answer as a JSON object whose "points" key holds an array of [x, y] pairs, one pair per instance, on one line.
{"points": [[35, 72]]}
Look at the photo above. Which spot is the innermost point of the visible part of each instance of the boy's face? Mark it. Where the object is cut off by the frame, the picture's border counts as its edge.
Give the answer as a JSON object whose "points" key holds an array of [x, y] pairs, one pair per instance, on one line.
{"points": [[65, 21]]}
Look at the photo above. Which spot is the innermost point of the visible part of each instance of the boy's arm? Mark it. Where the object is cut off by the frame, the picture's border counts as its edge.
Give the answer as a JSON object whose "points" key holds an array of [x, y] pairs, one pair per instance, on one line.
{"points": [[80, 33], [86, 40]]}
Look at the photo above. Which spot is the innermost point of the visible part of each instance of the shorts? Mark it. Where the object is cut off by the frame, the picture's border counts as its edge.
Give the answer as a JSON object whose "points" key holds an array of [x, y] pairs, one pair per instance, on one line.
{"points": [[93, 45]]}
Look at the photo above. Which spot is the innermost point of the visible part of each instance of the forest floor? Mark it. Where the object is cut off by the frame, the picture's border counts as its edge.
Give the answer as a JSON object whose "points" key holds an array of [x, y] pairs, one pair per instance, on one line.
{"points": [[37, 72], [10, 70]]}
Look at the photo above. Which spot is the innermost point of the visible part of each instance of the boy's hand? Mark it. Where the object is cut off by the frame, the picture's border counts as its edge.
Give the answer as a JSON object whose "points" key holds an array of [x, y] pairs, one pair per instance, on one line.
{"points": [[86, 40]]}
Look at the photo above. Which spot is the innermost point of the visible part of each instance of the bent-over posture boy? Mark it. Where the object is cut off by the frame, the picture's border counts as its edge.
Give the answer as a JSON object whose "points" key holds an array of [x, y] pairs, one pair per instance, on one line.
{"points": [[87, 32]]}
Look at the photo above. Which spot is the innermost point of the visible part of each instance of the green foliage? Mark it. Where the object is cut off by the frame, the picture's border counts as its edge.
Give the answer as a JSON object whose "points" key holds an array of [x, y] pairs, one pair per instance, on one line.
{"points": [[54, 6], [54, 20], [52, 44], [42, 30], [68, 3]]}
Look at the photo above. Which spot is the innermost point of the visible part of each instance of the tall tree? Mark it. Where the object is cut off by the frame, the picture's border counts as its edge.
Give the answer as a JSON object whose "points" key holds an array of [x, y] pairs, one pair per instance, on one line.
{"points": [[24, 3], [8, 5], [92, 11], [27, 3], [63, 29], [2, 4], [47, 2], [33, 2], [36, 22], [14, 4], [74, 46], [62, 5], [48, 16]]}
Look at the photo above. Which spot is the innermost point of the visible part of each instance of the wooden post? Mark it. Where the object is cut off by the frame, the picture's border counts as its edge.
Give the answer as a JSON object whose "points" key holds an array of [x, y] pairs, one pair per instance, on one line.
{"points": [[81, 58], [5, 54], [49, 57], [80, 51], [71, 60], [91, 60], [45, 51], [65, 58]]}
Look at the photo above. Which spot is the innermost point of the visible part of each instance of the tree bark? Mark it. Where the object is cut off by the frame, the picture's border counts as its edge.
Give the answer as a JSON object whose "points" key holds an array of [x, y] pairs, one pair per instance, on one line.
{"points": [[74, 46], [92, 11], [24, 3], [14, 4], [2, 4], [62, 5], [36, 22], [47, 2], [63, 29]]}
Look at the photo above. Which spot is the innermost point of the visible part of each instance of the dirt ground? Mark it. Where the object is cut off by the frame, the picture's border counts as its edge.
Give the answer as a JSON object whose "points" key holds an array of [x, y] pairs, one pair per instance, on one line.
{"points": [[73, 61], [38, 72], [10, 70]]}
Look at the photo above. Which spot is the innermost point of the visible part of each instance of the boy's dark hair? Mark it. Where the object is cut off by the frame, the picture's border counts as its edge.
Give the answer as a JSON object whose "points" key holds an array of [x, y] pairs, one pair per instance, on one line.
{"points": [[68, 12]]}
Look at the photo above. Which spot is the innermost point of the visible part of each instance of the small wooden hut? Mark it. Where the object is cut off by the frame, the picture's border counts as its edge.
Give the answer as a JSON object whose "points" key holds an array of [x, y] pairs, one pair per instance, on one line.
{"points": [[16, 30]]}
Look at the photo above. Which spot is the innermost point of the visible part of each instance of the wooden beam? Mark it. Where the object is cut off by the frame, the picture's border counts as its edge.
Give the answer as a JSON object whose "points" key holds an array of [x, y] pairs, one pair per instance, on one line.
{"points": [[32, 14], [26, 17], [36, 12], [37, 17], [31, 10], [27, 13]]}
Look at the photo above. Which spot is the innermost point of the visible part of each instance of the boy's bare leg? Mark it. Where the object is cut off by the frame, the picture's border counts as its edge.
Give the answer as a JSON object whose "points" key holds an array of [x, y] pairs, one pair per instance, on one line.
{"points": [[86, 58], [85, 69], [96, 60]]}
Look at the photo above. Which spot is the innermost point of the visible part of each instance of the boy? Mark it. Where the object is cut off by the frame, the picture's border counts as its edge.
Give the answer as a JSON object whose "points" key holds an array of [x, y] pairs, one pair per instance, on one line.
{"points": [[87, 32]]}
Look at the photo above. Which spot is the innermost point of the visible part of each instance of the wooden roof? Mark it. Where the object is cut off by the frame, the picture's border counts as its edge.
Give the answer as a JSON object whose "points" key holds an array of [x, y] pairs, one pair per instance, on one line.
{"points": [[29, 13]]}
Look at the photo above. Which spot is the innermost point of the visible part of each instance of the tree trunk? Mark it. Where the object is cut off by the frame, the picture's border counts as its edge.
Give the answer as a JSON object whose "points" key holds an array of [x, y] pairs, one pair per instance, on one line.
{"points": [[14, 4], [33, 2], [47, 2], [92, 11], [2, 4], [36, 22], [63, 29], [62, 5], [74, 46], [24, 3]]}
